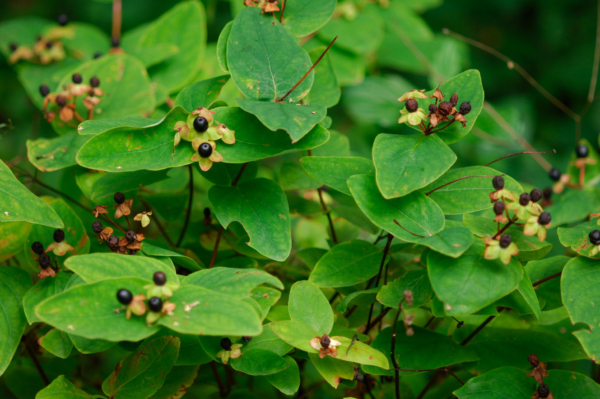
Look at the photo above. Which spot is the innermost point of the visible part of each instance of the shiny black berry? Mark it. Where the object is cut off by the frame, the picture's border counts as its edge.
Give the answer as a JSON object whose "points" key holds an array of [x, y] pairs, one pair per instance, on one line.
{"points": [[59, 235], [498, 182], [97, 55], [464, 108], [544, 218], [13, 46], [582, 151], [113, 241], [115, 41], [325, 341], [445, 108], [505, 241], [49, 45], [44, 90], [411, 105], [554, 174], [37, 248], [119, 198], [44, 261], [547, 193], [61, 101], [77, 79], [124, 296], [62, 19], [94, 82], [200, 124], [536, 195], [454, 99], [432, 108], [499, 208], [131, 236], [205, 150], [226, 344], [206, 213], [246, 339], [155, 304], [594, 237], [97, 226], [524, 199], [159, 278], [543, 391]]}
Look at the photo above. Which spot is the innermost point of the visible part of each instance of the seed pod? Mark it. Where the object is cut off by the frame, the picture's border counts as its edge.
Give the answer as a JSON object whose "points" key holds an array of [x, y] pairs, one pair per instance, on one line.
{"points": [[411, 105], [131, 236], [62, 19], [524, 199], [445, 108], [246, 339], [44, 261], [454, 99], [13, 46], [226, 344], [547, 193], [77, 79], [536, 195], [432, 108], [408, 297], [155, 304], [325, 341], [97, 55], [95, 82], [113, 241], [582, 151], [543, 391], [205, 150], [97, 227], [59, 235], [594, 237], [505, 241], [200, 124], [124, 296], [37, 248], [498, 182], [465, 108], [61, 101], [115, 41], [119, 198], [499, 208], [159, 278], [554, 174], [206, 213], [544, 218], [533, 360], [44, 90], [49, 45]]}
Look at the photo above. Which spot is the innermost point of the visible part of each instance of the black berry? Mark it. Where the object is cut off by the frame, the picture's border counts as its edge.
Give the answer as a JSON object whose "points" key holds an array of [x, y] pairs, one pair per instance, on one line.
{"points": [[113, 241], [464, 108], [498, 182], [547, 193], [544, 218], [543, 391], [524, 199], [582, 151], [62, 19], [13, 46], [119, 198], [61, 101], [131, 236], [115, 41], [49, 45], [97, 55], [505, 241], [226, 344], [206, 213], [411, 105], [246, 339], [325, 341], [432, 108], [200, 124], [77, 78], [499, 208], [59, 235], [44, 90], [205, 150], [94, 82], [554, 174], [97, 226], [536, 195], [37, 248], [155, 304], [159, 278], [454, 99], [445, 108], [124, 296], [595, 237], [44, 261]]}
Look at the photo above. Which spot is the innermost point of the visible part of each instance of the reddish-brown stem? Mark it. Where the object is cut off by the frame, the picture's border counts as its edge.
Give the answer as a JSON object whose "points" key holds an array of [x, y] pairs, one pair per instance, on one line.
{"points": [[519, 153], [282, 11], [159, 225], [216, 249], [78, 117], [582, 175], [239, 175], [113, 223], [457, 180], [393, 353], [385, 253], [189, 207], [116, 20], [506, 226], [439, 130], [547, 279], [311, 68], [408, 231], [37, 364], [222, 392], [169, 101], [128, 224], [328, 213], [376, 320]]}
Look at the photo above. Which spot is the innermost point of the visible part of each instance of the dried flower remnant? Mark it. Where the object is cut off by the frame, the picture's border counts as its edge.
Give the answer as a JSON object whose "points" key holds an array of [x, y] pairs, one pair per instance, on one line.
{"points": [[503, 248], [229, 350], [539, 369], [325, 345]]}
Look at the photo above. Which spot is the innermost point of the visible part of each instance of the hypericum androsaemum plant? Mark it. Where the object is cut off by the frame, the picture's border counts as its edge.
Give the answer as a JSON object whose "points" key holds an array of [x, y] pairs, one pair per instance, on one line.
{"points": [[261, 256]]}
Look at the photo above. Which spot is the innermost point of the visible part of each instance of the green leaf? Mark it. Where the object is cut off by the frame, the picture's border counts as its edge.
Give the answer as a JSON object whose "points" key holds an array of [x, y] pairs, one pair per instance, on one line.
{"points": [[468, 195], [222, 46], [143, 372], [360, 353], [200, 311], [358, 298], [14, 235], [14, 283], [505, 382], [89, 311], [259, 362], [579, 277], [61, 388], [359, 35], [296, 119], [97, 126], [303, 17], [415, 212], [268, 340], [178, 381], [17, 203], [224, 174], [177, 258], [295, 333], [549, 291], [347, 264], [569, 385], [530, 247], [75, 234], [577, 238], [310, 256], [415, 281], [468, 87], [335, 171], [88, 346], [87, 41], [573, 206], [43, 289], [450, 242], [337, 145], [308, 305], [352, 213], [57, 342], [332, 370], [104, 187], [101, 266], [237, 283], [293, 177], [408, 351], [261, 207], [201, 94], [57, 153], [288, 380], [264, 60], [523, 299], [325, 90], [404, 164], [470, 283]]}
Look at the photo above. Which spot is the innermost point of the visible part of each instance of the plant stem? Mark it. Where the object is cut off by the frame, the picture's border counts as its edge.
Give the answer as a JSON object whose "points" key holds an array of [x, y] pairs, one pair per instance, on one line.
{"points": [[65, 196], [216, 249], [457, 180], [385, 252], [282, 11], [239, 175], [439, 130], [113, 223], [37, 364], [116, 20], [159, 225], [506, 226], [213, 366], [128, 224], [519, 153], [393, 352], [408, 231], [547, 279], [328, 213], [190, 205], [377, 320], [311, 68]]}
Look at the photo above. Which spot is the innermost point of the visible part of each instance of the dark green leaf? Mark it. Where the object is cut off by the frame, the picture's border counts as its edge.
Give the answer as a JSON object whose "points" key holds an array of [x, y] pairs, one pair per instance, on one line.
{"points": [[293, 177], [177, 258], [332, 370], [358, 298], [14, 235], [43, 289], [335, 171], [88, 346], [450, 242], [573, 206], [61, 388], [505, 382], [295, 333], [223, 174], [97, 126], [237, 283], [259, 362], [303, 17], [268, 340], [523, 299], [104, 187], [201, 94], [360, 353], [178, 381], [288, 380], [308, 305], [57, 342], [222, 46], [57, 153], [549, 291], [415, 281], [359, 35], [325, 90]]}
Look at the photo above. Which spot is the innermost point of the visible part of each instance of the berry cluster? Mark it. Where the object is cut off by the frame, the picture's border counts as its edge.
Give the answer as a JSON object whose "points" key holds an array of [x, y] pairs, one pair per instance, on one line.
{"points": [[64, 102], [203, 131], [47, 48], [59, 247], [526, 209], [561, 180], [438, 113]]}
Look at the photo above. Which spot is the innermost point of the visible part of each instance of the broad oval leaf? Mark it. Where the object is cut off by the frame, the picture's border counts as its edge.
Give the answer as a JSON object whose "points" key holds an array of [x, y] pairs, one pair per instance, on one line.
{"points": [[359, 35], [14, 235], [259, 362], [451, 242], [360, 353], [308, 305], [573, 206], [335, 171], [222, 46], [332, 370], [288, 380], [43, 289], [325, 90], [17, 203], [293, 177], [237, 283], [264, 60], [56, 153], [405, 163], [178, 381], [505, 382], [548, 292], [57, 342], [347, 264], [415, 281], [181, 260], [523, 299], [61, 388], [261, 207], [358, 298], [303, 17], [415, 212], [201, 94], [470, 283], [295, 333]]}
